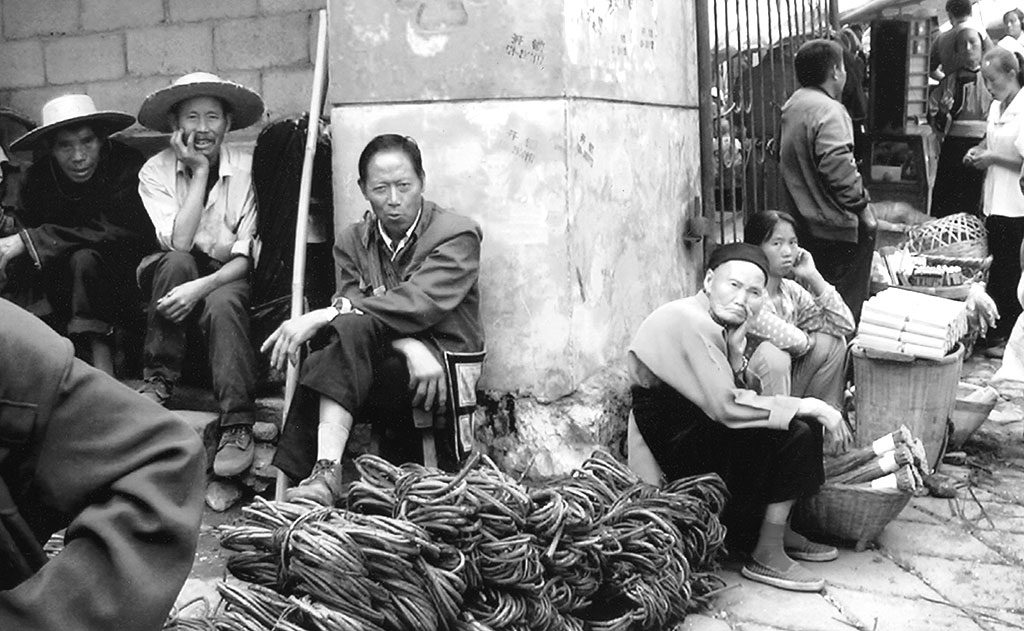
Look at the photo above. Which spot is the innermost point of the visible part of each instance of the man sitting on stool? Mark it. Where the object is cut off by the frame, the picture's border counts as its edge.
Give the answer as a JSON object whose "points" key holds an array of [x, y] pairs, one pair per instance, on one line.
{"points": [[406, 312]]}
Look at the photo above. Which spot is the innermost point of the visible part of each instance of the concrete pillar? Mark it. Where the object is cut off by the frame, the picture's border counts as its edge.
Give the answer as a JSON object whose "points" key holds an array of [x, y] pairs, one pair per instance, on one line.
{"points": [[568, 129]]}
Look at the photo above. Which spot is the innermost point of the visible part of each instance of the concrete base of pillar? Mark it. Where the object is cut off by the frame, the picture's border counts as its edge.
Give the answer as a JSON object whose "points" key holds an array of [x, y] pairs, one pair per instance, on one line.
{"points": [[547, 439]]}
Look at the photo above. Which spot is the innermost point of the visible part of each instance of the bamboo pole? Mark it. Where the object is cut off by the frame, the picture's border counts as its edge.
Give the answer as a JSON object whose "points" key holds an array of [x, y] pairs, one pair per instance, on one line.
{"points": [[302, 217]]}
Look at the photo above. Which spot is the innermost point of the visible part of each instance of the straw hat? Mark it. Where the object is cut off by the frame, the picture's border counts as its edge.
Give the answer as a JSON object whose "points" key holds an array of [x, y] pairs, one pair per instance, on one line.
{"points": [[246, 106], [70, 109]]}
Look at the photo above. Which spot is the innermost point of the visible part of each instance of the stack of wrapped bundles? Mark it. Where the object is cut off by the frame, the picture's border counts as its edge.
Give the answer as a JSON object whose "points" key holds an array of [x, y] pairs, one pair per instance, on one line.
{"points": [[911, 323], [895, 461]]}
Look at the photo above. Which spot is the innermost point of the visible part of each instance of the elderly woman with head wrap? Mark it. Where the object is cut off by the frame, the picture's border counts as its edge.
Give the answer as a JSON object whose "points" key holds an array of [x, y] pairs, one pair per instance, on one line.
{"points": [[696, 410]]}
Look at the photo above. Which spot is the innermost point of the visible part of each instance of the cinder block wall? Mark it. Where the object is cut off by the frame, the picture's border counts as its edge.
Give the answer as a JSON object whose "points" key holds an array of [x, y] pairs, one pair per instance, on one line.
{"points": [[118, 51]]}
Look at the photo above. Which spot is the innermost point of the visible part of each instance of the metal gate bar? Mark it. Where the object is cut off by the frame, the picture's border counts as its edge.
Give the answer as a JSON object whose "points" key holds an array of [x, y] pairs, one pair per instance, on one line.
{"points": [[749, 49]]}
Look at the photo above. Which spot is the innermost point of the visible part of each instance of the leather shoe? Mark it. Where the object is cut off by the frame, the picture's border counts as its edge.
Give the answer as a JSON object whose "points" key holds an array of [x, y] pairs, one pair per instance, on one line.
{"points": [[235, 452], [323, 485]]}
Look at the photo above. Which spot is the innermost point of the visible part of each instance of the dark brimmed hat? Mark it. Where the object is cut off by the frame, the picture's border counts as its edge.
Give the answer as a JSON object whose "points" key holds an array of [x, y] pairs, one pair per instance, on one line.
{"points": [[68, 110], [739, 252], [246, 106]]}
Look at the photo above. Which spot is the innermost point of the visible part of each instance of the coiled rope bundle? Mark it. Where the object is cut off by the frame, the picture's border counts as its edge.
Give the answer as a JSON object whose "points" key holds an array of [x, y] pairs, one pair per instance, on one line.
{"points": [[421, 549]]}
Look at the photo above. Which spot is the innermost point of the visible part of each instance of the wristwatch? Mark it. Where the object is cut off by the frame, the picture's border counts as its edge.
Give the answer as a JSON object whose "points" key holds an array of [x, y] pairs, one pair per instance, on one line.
{"points": [[342, 305]]}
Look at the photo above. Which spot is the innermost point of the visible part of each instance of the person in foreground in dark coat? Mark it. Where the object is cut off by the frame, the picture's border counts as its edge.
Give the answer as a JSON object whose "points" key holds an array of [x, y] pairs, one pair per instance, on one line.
{"points": [[699, 409], [124, 476], [83, 227], [405, 324]]}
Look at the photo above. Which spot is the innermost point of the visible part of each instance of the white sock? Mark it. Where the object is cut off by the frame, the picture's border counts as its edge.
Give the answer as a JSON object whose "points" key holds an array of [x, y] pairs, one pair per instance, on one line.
{"points": [[331, 437]]}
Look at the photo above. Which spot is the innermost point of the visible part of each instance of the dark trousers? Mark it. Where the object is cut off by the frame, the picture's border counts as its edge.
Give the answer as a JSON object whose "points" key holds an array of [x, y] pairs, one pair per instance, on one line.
{"points": [[90, 291], [759, 466], [359, 370], [1005, 235], [958, 187], [846, 265], [223, 318]]}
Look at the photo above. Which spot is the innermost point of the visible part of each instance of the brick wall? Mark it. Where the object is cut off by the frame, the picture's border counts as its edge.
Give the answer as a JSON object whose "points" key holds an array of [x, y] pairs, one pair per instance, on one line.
{"points": [[118, 51]]}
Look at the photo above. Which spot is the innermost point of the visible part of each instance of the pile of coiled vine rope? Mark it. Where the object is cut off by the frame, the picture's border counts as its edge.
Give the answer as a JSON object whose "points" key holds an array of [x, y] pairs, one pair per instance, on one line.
{"points": [[421, 549]]}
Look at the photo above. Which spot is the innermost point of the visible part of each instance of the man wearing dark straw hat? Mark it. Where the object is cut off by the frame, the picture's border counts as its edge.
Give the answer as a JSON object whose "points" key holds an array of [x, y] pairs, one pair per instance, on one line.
{"points": [[83, 227], [198, 193], [696, 410]]}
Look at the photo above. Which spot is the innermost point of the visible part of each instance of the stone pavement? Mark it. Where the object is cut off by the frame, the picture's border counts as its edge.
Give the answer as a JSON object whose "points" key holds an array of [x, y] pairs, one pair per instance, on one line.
{"points": [[954, 565]]}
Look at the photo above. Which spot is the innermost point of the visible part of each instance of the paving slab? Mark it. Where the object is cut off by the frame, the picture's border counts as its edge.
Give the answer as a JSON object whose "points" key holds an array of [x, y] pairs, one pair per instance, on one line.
{"points": [[793, 611], [874, 612], [1003, 491], [971, 583], [938, 507], [915, 514], [1009, 544], [935, 540], [746, 625], [871, 572], [999, 619], [700, 622], [1008, 518], [991, 495]]}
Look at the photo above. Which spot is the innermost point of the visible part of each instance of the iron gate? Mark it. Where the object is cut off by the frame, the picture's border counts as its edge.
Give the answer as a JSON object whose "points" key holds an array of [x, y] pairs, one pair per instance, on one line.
{"points": [[745, 55]]}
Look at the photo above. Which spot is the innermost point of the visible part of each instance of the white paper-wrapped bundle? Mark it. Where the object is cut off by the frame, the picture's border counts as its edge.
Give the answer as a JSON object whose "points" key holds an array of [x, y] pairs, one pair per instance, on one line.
{"points": [[912, 323]]}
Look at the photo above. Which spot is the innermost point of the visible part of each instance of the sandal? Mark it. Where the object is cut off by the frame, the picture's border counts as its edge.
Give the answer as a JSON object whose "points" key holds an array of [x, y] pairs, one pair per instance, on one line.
{"points": [[794, 578]]}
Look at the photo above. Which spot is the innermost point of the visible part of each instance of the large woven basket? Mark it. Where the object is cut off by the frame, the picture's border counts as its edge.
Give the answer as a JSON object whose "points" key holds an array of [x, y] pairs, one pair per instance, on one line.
{"points": [[960, 235], [918, 393], [850, 512]]}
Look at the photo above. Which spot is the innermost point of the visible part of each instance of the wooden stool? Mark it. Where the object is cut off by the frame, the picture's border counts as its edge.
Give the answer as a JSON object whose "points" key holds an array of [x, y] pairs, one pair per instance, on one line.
{"points": [[423, 421]]}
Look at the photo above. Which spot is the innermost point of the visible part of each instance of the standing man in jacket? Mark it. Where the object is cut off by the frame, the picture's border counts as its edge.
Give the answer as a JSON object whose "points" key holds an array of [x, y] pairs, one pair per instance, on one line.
{"points": [[823, 188], [80, 451], [83, 229]]}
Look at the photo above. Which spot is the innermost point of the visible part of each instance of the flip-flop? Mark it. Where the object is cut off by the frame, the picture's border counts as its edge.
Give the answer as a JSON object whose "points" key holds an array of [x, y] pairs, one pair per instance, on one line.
{"points": [[795, 578], [814, 552]]}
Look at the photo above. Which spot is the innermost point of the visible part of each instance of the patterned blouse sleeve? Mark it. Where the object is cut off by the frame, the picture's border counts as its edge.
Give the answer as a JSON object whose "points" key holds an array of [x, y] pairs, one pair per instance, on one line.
{"points": [[827, 313], [769, 326]]}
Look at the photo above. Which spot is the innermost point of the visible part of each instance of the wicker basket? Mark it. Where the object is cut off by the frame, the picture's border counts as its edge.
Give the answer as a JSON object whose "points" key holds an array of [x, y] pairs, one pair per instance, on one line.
{"points": [[850, 512], [960, 235], [918, 393], [967, 416]]}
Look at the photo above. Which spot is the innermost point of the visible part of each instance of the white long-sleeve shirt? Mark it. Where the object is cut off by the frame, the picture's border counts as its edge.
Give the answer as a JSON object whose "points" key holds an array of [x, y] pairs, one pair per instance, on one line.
{"points": [[228, 224]]}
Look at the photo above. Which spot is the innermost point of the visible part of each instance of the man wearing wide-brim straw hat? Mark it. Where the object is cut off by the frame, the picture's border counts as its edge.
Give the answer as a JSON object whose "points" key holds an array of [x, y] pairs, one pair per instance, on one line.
{"points": [[82, 226], [198, 193]]}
